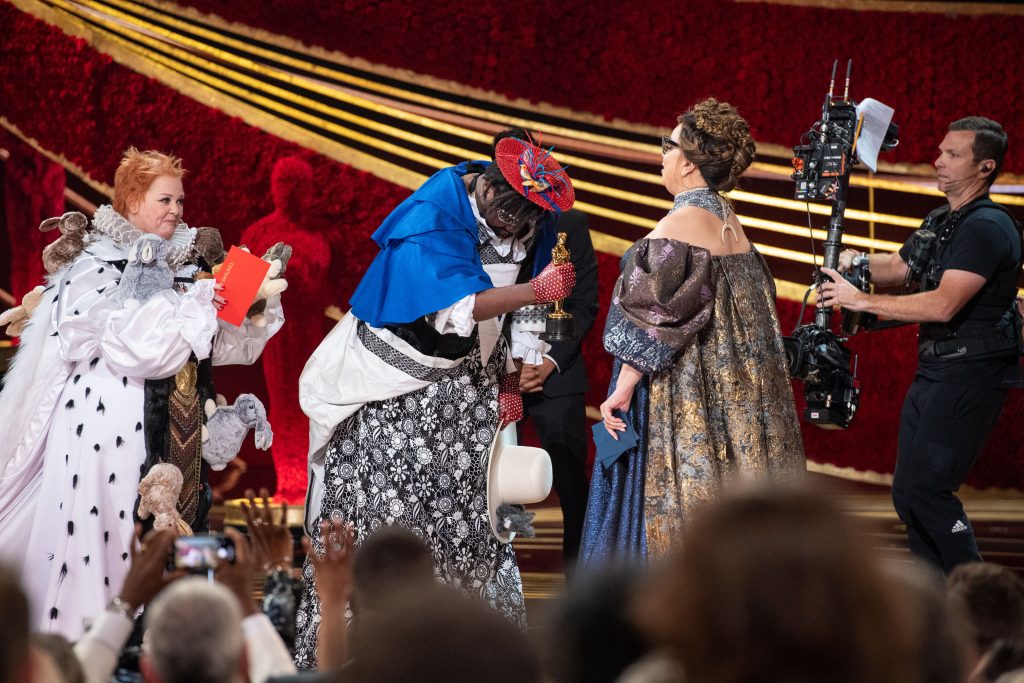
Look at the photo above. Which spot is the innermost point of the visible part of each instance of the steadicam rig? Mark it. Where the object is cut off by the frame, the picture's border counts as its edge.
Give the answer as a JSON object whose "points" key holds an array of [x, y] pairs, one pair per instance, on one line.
{"points": [[821, 169]]}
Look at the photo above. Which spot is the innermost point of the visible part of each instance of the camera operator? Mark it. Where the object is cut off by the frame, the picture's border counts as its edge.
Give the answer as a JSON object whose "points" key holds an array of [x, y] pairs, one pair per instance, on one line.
{"points": [[968, 340]]}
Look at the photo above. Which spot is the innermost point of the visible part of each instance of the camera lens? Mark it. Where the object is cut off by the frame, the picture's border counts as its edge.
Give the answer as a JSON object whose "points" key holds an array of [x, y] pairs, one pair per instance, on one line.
{"points": [[794, 355]]}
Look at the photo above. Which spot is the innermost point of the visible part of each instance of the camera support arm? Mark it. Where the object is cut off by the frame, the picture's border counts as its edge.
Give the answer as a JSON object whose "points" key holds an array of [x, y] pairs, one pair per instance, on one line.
{"points": [[834, 240]]}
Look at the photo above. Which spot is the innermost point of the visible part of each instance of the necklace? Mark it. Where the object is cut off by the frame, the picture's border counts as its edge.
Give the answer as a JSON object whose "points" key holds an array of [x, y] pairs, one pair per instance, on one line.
{"points": [[709, 200]]}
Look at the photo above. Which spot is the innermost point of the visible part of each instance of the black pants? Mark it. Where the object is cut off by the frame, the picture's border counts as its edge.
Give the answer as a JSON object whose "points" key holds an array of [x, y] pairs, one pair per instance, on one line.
{"points": [[562, 427], [943, 427]]}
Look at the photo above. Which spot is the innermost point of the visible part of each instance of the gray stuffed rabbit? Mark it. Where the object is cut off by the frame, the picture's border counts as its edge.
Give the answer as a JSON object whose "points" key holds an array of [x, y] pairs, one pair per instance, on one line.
{"points": [[147, 271], [73, 228], [226, 427]]}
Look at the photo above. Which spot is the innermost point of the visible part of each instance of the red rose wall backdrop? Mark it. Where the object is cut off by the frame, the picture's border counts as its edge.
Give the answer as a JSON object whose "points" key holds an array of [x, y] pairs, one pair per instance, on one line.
{"points": [[642, 63]]}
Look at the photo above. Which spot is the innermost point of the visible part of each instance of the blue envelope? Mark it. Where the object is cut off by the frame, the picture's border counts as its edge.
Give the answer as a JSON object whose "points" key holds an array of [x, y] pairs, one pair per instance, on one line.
{"points": [[608, 449]]}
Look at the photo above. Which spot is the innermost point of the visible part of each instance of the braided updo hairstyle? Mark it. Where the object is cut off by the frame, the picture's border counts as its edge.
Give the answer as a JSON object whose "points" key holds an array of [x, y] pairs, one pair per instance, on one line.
{"points": [[717, 139]]}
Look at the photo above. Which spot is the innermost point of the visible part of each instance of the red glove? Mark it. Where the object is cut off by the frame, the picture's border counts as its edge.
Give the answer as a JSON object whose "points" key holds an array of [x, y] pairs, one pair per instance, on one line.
{"points": [[554, 282], [510, 400]]}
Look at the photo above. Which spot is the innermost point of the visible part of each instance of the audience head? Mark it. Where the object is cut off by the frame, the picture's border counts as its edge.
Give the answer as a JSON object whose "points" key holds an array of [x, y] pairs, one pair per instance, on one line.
{"points": [[778, 584], [60, 651], [589, 635], [1004, 662], [713, 137], [994, 600], [13, 626], [390, 558], [435, 634], [194, 635], [942, 641]]}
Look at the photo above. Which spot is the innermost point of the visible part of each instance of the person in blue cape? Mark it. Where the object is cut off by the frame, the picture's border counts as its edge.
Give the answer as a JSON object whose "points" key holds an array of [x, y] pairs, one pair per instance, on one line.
{"points": [[407, 393]]}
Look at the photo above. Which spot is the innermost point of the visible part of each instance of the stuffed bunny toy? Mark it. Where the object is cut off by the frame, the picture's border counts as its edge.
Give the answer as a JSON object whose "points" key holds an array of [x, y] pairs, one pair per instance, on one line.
{"points": [[226, 427], [147, 272], [73, 226], [16, 318], [158, 495], [273, 283], [210, 246]]}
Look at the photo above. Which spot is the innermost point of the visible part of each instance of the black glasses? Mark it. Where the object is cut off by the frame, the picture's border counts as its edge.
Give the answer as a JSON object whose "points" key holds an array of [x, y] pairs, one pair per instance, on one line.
{"points": [[668, 144]]}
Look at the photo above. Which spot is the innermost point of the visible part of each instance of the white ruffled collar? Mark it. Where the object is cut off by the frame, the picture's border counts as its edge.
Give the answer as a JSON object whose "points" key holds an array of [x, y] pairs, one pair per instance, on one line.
{"points": [[119, 230]]}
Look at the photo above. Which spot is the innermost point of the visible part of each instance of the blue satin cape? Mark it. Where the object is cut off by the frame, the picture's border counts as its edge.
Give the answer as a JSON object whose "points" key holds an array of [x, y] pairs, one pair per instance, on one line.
{"points": [[428, 256]]}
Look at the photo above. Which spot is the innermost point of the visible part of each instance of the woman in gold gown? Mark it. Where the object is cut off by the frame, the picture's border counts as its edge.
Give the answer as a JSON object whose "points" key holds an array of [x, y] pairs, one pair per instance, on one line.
{"points": [[699, 368]]}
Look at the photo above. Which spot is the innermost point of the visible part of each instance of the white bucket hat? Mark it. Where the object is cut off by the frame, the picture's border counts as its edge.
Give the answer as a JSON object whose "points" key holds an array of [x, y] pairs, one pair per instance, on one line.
{"points": [[516, 475]]}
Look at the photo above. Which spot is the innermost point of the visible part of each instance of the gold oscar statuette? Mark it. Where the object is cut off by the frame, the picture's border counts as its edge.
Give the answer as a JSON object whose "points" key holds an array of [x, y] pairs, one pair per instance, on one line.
{"points": [[560, 323]]}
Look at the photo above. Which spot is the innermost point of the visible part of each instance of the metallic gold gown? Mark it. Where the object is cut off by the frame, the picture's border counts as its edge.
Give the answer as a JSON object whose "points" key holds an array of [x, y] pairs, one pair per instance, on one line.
{"points": [[715, 404]]}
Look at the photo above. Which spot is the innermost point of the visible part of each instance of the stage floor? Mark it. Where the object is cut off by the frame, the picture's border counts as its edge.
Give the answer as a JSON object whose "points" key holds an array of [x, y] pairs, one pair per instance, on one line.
{"points": [[997, 517]]}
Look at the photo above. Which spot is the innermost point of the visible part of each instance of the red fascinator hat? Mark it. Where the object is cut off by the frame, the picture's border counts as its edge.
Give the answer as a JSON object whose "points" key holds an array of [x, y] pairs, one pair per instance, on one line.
{"points": [[535, 174]]}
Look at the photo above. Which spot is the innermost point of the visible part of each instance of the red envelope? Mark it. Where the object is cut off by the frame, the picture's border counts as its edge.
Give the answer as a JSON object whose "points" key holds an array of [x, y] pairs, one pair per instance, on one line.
{"points": [[241, 274]]}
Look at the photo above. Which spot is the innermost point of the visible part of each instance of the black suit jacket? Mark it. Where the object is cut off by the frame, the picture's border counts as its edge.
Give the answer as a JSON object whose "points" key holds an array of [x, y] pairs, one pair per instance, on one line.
{"points": [[571, 377]]}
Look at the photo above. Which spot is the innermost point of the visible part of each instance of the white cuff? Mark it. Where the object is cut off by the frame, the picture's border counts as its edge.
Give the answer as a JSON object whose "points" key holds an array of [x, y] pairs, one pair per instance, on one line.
{"points": [[553, 362], [528, 347], [199, 318], [457, 318], [268, 656]]}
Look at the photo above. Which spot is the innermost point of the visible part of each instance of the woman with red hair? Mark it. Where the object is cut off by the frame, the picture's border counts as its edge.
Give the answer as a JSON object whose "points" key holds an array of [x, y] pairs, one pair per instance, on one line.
{"points": [[110, 378]]}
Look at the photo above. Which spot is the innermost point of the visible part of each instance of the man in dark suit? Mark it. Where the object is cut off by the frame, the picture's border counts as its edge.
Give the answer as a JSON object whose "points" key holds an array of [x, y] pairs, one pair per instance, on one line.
{"points": [[553, 391]]}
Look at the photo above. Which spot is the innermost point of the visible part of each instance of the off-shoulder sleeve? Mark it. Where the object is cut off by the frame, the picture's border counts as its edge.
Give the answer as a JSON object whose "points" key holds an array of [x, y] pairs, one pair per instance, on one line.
{"points": [[662, 299], [152, 340]]}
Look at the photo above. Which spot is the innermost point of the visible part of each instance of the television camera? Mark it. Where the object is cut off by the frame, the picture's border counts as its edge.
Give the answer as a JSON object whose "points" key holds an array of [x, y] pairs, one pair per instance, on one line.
{"points": [[816, 355]]}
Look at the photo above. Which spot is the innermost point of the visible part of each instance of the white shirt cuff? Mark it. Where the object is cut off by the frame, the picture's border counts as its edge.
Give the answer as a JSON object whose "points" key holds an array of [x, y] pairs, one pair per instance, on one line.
{"points": [[457, 318], [553, 362], [267, 653]]}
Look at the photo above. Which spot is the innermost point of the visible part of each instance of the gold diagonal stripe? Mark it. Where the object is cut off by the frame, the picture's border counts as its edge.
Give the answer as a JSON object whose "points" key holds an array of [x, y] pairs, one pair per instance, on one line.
{"points": [[458, 89], [463, 153], [905, 6], [336, 74], [609, 243], [169, 11], [448, 128]]}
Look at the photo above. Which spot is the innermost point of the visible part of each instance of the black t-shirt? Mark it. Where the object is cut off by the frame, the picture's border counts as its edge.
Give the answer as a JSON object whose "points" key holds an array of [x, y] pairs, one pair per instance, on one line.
{"points": [[985, 242]]}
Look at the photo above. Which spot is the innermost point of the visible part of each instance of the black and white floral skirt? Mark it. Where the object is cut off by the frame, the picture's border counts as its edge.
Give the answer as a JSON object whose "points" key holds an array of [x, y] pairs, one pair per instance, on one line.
{"points": [[420, 461]]}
